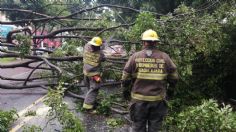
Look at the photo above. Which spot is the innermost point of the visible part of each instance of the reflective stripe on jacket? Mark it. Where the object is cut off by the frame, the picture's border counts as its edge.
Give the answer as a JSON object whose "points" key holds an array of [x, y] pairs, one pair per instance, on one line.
{"points": [[92, 61], [151, 73], [146, 98]]}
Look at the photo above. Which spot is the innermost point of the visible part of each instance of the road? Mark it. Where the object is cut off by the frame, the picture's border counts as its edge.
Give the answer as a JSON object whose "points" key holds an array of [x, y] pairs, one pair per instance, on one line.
{"points": [[21, 100], [32, 100]]}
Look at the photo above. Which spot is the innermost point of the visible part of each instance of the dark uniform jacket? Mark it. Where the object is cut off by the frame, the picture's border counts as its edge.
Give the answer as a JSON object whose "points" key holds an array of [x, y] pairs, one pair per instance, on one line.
{"points": [[92, 61], [152, 69]]}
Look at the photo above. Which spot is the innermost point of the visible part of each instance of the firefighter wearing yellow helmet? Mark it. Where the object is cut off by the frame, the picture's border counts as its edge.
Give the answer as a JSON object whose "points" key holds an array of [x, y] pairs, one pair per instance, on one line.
{"points": [[150, 35], [150, 70], [92, 58], [96, 41]]}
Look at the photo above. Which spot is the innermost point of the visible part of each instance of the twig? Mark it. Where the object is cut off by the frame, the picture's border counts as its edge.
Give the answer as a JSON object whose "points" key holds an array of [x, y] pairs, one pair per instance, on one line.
{"points": [[119, 111], [115, 103]]}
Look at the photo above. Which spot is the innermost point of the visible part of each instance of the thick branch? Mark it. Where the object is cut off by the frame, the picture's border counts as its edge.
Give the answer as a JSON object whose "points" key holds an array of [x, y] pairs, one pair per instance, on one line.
{"points": [[121, 42], [23, 79], [35, 85], [7, 51], [45, 50], [72, 36], [18, 64], [32, 72], [7, 44], [52, 34], [68, 58], [74, 14], [25, 11], [53, 66], [111, 28], [9, 35], [38, 58]]}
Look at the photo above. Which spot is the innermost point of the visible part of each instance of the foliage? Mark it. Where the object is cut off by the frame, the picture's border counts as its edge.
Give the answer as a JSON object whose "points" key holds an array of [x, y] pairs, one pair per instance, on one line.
{"points": [[24, 45], [30, 113], [32, 128], [60, 110], [157, 6], [114, 122], [71, 47], [41, 6], [72, 72], [105, 101], [6, 119], [198, 43], [79, 106], [134, 34], [206, 117], [58, 53], [110, 73]]}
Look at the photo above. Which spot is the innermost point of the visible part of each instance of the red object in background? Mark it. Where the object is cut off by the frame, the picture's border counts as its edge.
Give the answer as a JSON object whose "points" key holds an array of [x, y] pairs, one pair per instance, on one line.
{"points": [[48, 42]]}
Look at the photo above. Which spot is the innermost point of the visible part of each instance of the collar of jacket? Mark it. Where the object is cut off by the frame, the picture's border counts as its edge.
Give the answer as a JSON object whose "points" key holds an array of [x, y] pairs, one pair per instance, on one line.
{"points": [[150, 48]]}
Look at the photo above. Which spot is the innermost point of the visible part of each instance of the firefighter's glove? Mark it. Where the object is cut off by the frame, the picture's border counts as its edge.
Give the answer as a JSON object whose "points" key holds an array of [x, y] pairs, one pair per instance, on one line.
{"points": [[126, 87], [126, 94], [125, 83], [170, 91], [97, 78]]}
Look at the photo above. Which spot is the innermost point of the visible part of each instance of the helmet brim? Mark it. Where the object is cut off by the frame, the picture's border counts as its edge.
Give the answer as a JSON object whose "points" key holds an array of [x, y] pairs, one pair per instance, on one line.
{"points": [[94, 44], [151, 39]]}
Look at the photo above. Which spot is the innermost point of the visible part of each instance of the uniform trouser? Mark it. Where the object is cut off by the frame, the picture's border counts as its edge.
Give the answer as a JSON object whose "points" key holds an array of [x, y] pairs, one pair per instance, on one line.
{"points": [[147, 116], [93, 89]]}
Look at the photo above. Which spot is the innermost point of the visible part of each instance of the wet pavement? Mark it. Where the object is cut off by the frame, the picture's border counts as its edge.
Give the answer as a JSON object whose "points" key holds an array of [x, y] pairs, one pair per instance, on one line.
{"points": [[32, 100]]}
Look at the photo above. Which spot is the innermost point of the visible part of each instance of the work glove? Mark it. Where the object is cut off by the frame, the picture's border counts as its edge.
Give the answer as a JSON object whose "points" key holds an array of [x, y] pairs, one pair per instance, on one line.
{"points": [[125, 83], [126, 86], [170, 93], [170, 90], [96, 78], [126, 94]]}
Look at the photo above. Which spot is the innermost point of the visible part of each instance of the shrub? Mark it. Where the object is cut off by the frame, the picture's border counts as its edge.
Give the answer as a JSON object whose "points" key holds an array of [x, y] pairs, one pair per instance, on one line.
{"points": [[32, 128], [207, 117], [59, 110], [6, 118], [114, 122]]}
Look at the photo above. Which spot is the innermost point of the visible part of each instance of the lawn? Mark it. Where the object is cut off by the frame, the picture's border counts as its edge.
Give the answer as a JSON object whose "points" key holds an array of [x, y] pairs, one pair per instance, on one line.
{"points": [[6, 60]]}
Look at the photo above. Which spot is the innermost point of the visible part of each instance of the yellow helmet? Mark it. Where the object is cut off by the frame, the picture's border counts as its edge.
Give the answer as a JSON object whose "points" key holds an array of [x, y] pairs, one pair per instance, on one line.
{"points": [[150, 35], [96, 41]]}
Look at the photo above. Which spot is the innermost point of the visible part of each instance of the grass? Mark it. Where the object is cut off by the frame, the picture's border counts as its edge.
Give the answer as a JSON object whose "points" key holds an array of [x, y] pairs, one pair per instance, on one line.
{"points": [[7, 60], [30, 113]]}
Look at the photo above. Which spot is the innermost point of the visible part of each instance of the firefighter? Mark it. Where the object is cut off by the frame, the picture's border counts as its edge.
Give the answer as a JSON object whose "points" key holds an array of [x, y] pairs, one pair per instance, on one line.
{"points": [[92, 58], [152, 70]]}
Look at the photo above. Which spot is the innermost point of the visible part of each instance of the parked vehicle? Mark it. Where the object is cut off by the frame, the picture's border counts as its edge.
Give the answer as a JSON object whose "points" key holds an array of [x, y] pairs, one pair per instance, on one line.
{"points": [[5, 29]]}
